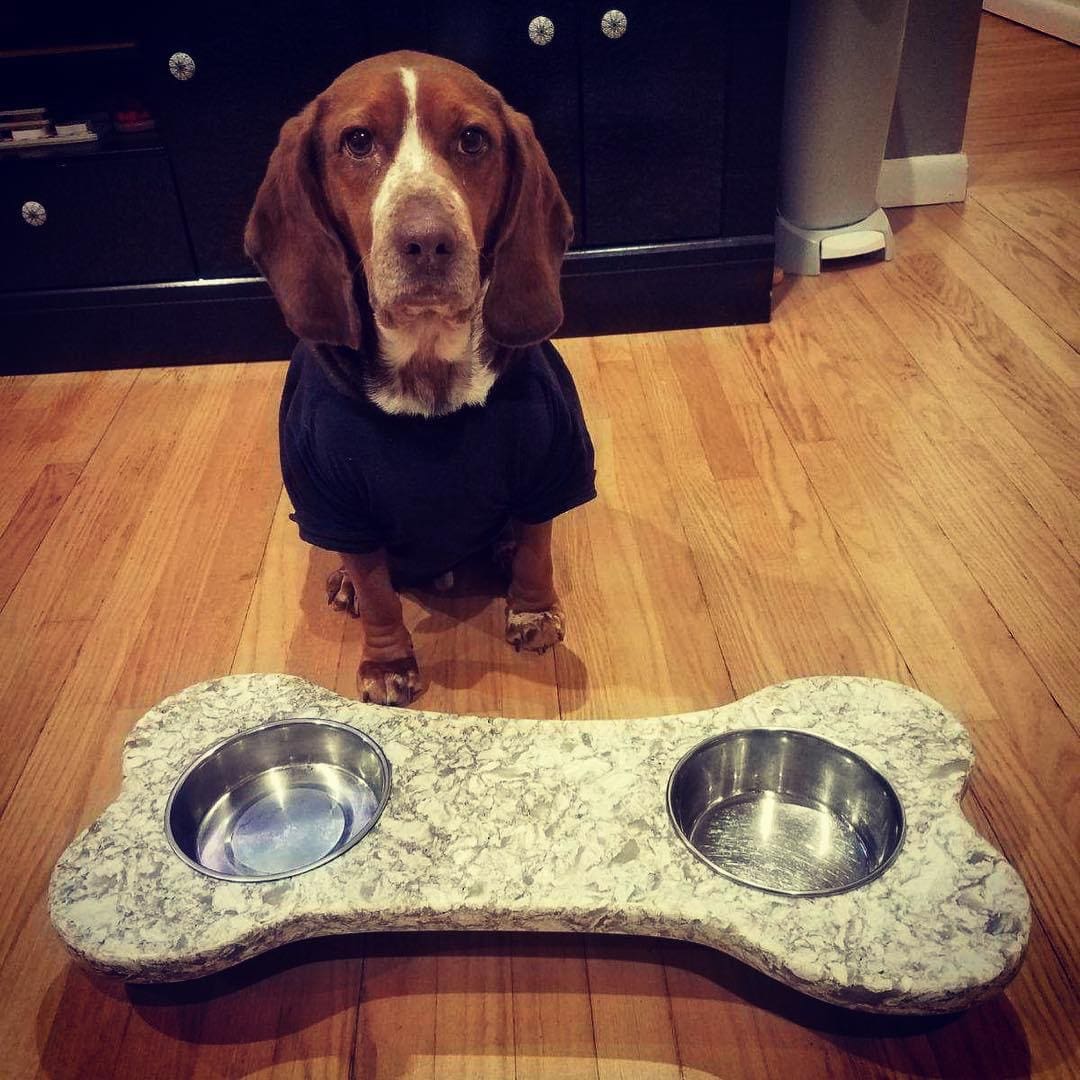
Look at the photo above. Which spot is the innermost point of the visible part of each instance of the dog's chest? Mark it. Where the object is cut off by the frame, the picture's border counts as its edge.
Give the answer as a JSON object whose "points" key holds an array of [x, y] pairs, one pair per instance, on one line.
{"points": [[418, 472]]}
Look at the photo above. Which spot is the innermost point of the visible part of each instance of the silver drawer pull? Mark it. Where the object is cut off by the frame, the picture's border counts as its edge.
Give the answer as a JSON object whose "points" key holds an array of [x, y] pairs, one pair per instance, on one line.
{"points": [[181, 66], [613, 24], [33, 213], [541, 30]]}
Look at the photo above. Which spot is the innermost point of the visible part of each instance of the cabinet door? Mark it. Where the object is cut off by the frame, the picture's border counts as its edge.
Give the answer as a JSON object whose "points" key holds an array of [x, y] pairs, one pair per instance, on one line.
{"points": [[653, 90], [528, 52], [758, 36], [99, 219], [243, 72]]}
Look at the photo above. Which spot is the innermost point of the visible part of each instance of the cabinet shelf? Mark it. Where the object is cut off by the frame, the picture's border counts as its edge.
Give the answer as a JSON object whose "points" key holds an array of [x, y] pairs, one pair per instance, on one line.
{"points": [[68, 49], [108, 145]]}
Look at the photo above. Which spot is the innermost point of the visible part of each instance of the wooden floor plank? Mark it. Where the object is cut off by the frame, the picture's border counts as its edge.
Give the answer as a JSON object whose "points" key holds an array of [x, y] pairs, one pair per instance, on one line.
{"points": [[742, 626], [1048, 216], [922, 231], [474, 1020], [74, 1023], [553, 1021], [788, 1034], [288, 625], [464, 656], [13, 387], [291, 1014], [55, 420], [315, 1024], [208, 577], [31, 521], [632, 1022], [1021, 264], [655, 590], [395, 1032], [1044, 998]]}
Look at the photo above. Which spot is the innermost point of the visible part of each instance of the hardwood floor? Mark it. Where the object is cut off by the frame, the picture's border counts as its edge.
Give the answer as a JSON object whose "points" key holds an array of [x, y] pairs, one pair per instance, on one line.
{"points": [[883, 481]]}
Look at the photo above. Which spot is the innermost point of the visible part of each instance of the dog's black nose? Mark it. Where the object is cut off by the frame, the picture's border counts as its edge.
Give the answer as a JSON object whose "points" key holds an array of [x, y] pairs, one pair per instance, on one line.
{"points": [[426, 244]]}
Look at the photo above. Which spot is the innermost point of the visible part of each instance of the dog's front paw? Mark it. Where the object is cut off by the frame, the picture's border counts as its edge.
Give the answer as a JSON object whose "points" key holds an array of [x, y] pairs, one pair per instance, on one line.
{"points": [[389, 682], [535, 631], [341, 593]]}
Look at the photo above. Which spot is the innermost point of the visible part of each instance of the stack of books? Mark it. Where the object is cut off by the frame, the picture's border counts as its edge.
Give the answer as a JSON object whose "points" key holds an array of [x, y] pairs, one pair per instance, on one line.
{"points": [[21, 129]]}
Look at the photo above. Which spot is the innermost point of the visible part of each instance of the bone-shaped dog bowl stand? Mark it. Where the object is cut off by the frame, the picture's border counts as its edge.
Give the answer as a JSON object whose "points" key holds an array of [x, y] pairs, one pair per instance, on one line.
{"points": [[560, 826]]}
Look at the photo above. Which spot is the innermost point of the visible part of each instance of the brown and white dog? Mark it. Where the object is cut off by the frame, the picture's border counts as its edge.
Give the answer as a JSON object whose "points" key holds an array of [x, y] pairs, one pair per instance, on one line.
{"points": [[412, 231]]}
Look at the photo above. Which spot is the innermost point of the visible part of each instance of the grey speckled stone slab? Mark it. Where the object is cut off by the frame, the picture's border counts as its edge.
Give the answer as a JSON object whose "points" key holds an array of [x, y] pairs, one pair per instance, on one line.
{"points": [[558, 825]]}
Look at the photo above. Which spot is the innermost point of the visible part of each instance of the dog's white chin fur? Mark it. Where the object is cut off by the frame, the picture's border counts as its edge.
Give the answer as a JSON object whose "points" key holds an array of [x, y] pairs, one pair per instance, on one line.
{"points": [[417, 338]]}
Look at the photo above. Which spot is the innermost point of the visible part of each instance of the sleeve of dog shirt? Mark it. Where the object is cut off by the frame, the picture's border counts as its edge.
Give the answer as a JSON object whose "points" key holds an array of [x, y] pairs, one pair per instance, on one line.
{"points": [[562, 472], [318, 503], [329, 497]]}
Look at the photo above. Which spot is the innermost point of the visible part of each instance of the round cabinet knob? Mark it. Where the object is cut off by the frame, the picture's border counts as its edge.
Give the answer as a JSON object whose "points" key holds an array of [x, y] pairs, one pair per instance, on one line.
{"points": [[33, 213], [181, 66], [613, 24], [541, 30]]}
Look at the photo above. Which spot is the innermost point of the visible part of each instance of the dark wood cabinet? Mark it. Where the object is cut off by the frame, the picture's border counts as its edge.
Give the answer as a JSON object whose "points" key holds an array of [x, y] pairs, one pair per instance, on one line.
{"points": [[661, 121]]}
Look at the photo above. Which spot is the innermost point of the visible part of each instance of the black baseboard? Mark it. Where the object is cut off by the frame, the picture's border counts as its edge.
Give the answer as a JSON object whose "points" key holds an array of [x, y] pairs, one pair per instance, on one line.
{"points": [[624, 290], [667, 287]]}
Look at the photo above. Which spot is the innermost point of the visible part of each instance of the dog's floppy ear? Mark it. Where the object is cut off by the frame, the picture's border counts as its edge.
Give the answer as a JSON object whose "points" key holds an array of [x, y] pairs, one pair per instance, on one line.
{"points": [[292, 239], [534, 229]]}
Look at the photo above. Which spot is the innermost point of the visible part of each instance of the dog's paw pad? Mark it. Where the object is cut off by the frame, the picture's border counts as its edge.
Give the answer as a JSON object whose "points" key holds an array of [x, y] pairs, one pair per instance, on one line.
{"points": [[534, 631], [341, 593], [390, 682]]}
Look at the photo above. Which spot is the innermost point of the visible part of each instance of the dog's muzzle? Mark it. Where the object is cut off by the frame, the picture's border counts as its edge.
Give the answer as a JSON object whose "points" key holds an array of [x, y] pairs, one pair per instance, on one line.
{"points": [[424, 260]]}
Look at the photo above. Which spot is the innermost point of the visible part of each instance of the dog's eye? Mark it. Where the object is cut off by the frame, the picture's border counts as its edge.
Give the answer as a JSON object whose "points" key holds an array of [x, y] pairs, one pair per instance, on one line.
{"points": [[473, 141], [358, 142]]}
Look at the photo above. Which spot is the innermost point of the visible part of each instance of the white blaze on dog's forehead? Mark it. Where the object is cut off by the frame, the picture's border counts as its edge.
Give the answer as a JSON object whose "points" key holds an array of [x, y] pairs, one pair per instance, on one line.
{"points": [[411, 158], [411, 154]]}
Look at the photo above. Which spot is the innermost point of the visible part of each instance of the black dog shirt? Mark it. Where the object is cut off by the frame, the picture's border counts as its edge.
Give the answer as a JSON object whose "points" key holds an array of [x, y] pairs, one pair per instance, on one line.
{"points": [[432, 491]]}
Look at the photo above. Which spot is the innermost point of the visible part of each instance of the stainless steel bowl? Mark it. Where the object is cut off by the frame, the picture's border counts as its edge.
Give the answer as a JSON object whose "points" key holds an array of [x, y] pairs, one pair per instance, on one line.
{"points": [[785, 811], [277, 800]]}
